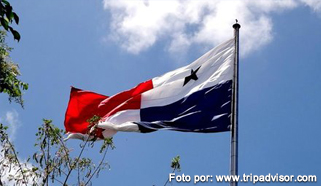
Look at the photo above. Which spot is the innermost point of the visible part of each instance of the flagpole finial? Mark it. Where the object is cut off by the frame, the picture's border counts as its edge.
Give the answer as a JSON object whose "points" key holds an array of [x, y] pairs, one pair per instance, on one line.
{"points": [[236, 25]]}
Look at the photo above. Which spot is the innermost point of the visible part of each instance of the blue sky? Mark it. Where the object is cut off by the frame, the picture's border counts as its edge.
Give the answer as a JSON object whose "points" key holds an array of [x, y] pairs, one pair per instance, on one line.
{"points": [[110, 46]]}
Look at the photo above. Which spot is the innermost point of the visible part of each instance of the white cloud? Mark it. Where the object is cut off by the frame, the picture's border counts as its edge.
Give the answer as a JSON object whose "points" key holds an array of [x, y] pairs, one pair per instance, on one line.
{"points": [[12, 119], [138, 24], [315, 5]]}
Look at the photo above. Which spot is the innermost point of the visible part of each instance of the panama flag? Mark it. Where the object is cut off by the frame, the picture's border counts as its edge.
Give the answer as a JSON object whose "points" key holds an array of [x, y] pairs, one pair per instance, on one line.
{"points": [[193, 98]]}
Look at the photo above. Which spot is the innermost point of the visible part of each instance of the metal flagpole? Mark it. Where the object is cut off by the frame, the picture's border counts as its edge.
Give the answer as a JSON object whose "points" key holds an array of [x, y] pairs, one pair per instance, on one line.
{"points": [[234, 130]]}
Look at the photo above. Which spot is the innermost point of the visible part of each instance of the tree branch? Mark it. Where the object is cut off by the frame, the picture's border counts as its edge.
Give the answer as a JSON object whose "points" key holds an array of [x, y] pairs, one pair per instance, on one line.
{"points": [[168, 177], [17, 160], [97, 168], [74, 165]]}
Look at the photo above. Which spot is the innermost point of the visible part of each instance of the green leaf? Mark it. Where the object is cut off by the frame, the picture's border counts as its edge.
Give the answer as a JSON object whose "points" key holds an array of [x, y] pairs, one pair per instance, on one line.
{"points": [[16, 18], [9, 11], [10, 15], [25, 86], [5, 23], [5, 2], [15, 34], [175, 163]]}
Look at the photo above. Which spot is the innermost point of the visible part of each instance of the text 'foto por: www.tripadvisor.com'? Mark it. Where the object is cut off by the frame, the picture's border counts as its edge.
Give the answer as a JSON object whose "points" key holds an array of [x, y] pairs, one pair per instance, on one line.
{"points": [[250, 178]]}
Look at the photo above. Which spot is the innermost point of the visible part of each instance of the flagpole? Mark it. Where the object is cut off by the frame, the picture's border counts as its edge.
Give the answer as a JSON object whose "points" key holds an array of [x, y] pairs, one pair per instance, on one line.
{"points": [[234, 121]]}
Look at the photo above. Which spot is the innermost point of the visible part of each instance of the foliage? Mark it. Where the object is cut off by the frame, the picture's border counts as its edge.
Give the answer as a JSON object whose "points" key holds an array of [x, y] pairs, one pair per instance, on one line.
{"points": [[175, 165], [7, 16], [9, 72], [53, 162]]}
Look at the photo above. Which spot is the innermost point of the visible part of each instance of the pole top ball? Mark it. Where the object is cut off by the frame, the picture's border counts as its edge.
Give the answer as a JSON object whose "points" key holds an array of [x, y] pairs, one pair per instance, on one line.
{"points": [[236, 25]]}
